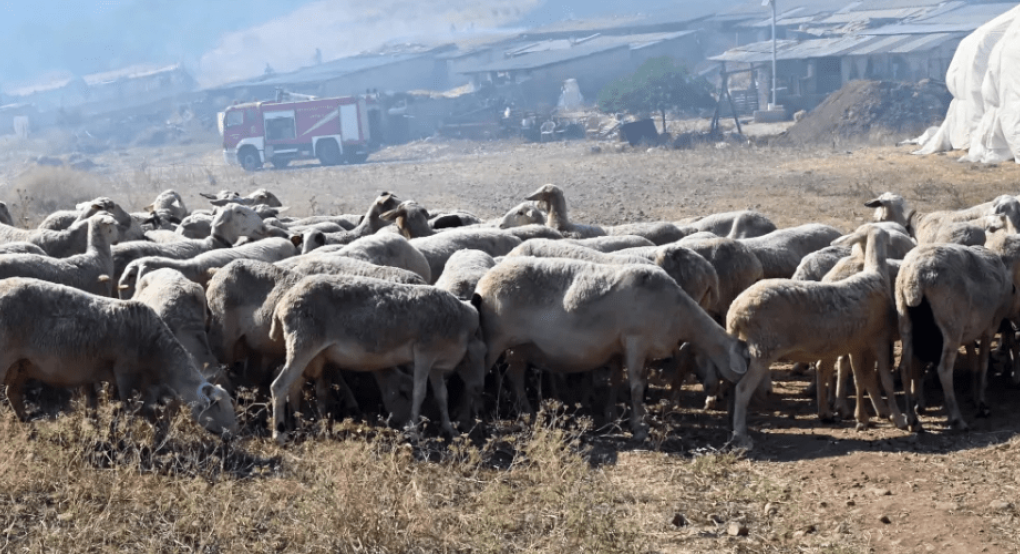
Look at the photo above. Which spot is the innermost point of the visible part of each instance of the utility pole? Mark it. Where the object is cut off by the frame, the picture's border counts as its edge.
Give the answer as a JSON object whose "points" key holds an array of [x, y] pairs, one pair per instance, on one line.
{"points": [[773, 4]]}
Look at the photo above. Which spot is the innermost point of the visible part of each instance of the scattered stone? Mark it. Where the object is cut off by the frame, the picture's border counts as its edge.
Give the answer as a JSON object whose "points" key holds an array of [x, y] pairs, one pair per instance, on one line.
{"points": [[736, 530], [881, 492], [1000, 505], [885, 519], [680, 520], [947, 506], [771, 508], [851, 503]]}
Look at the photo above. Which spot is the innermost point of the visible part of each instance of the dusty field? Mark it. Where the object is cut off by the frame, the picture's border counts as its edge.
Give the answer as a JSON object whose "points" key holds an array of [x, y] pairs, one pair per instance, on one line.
{"points": [[67, 485]]}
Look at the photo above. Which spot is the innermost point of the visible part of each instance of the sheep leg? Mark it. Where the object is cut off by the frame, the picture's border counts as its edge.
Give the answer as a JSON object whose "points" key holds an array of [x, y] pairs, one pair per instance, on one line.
{"points": [[472, 372], [299, 355], [516, 370], [422, 367], [15, 381], [945, 372], [980, 371], [843, 373], [882, 357], [824, 380], [756, 370], [635, 361], [438, 382], [908, 365]]}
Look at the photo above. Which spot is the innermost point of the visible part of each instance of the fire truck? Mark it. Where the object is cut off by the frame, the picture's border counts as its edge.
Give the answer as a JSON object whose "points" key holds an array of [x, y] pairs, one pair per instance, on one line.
{"points": [[331, 130]]}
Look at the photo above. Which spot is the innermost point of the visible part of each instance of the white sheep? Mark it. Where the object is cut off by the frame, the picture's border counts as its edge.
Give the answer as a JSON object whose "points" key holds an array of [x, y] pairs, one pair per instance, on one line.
{"points": [[781, 251], [807, 321]]}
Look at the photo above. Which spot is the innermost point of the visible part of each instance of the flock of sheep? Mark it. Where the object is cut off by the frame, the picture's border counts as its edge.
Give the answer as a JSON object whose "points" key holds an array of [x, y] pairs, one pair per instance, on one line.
{"points": [[186, 306]]}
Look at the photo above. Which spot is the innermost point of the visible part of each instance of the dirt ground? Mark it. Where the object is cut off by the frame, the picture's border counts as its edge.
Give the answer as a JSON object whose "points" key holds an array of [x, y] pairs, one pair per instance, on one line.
{"points": [[807, 486]]}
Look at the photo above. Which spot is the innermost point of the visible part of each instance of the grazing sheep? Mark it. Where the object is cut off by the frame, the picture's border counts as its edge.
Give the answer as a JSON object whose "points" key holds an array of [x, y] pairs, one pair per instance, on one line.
{"points": [[612, 243], [383, 249], [781, 251], [364, 324], [544, 248], [806, 321], [463, 271], [197, 269], [572, 316], [61, 220], [346, 221], [522, 214], [742, 224], [181, 305], [658, 233], [948, 295], [451, 220], [68, 338], [168, 205], [90, 272], [815, 265], [529, 232], [437, 249]]}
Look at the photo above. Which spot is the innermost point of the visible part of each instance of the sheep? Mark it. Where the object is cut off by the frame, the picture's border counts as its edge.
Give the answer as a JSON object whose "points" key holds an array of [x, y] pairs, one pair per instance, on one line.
{"points": [[195, 226], [365, 324], [385, 249], [260, 196], [781, 251], [815, 265], [544, 248], [742, 224], [181, 305], [346, 221], [68, 338], [948, 295], [370, 223], [164, 236], [520, 215], [168, 205], [198, 268], [556, 207], [58, 244], [926, 227], [463, 271], [552, 196], [437, 249], [61, 220], [21, 248], [807, 321], [571, 315], [736, 268], [452, 220], [612, 243], [5, 215], [90, 272], [243, 294], [528, 232]]}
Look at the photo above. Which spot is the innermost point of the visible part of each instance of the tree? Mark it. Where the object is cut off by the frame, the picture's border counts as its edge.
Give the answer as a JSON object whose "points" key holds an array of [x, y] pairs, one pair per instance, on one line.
{"points": [[657, 86]]}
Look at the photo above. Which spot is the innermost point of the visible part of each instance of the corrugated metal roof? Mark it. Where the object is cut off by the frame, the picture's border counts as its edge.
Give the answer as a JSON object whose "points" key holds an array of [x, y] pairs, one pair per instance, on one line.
{"points": [[325, 71], [864, 15], [542, 59], [133, 72], [973, 14], [850, 45]]}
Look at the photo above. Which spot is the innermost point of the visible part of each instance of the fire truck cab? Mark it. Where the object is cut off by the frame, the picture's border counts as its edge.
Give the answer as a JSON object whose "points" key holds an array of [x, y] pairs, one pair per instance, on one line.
{"points": [[332, 130]]}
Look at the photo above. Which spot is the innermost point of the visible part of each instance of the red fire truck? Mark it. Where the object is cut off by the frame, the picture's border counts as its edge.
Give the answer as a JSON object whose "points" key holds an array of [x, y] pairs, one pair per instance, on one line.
{"points": [[332, 130]]}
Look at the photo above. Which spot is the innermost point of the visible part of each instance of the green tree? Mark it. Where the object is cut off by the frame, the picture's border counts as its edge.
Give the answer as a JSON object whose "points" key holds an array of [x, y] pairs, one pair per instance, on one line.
{"points": [[657, 86]]}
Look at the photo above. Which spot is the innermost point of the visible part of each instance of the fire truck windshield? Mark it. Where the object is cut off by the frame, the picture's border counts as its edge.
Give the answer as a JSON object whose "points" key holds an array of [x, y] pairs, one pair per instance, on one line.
{"points": [[234, 118]]}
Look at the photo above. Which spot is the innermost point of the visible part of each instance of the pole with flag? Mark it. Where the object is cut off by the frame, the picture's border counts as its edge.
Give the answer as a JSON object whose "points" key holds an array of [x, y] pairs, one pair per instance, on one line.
{"points": [[772, 3]]}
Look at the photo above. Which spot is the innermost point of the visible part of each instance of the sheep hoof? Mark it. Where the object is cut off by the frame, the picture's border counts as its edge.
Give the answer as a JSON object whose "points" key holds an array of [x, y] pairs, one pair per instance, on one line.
{"points": [[958, 425], [900, 422], [280, 437], [984, 411], [827, 419], [919, 409], [640, 434], [862, 426], [712, 403], [738, 443]]}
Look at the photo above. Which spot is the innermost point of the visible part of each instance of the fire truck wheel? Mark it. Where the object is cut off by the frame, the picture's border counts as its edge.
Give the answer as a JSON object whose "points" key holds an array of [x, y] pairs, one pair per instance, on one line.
{"points": [[280, 162], [357, 158], [329, 152], [248, 157]]}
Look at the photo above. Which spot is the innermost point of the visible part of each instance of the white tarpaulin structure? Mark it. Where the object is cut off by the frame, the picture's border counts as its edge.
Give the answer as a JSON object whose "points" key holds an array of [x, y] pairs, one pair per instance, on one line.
{"points": [[984, 79]]}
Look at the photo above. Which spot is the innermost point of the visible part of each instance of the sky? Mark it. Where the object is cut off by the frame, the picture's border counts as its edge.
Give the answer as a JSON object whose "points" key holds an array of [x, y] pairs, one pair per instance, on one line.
{"points": [[224, 40]]}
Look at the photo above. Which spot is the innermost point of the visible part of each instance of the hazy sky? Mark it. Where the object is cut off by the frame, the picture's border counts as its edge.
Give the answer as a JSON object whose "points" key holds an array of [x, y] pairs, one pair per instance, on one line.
{"points": [[222, 40]]}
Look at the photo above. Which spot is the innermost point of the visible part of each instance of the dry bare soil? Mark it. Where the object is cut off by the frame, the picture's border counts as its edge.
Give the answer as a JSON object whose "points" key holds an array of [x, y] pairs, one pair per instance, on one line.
{"points": [[69, 483]]}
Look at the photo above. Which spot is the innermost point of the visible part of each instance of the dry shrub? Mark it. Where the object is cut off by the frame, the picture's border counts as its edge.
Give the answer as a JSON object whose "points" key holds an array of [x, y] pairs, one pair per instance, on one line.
{"points": [[44, 189]]}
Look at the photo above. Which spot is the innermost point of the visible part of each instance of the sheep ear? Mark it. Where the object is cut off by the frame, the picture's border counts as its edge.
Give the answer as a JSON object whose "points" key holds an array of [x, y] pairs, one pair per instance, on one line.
{"points": [[392, 215], [104, 278], [207, 195], [874, 203], [320, 239], [150, 208], [123, 287], [296, 240]]}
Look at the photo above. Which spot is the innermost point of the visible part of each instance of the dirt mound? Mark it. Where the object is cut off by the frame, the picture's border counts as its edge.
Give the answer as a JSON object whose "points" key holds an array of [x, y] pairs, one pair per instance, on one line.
{"points": [[861, 107]]}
